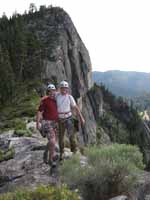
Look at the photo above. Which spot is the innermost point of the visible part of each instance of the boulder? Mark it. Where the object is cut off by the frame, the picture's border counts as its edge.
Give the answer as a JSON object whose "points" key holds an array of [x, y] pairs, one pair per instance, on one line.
{"points": [[122, 197], [31, 125]]}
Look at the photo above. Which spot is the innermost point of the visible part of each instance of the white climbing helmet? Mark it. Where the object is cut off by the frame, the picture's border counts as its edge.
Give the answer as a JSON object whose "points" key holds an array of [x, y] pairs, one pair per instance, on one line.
{"points": [[51, 87], [64, 84]]}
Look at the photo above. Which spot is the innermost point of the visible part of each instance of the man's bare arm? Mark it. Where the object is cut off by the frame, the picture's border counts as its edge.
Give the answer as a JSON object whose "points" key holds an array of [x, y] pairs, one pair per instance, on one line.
{"points": [[38, 119], [80, 114]]}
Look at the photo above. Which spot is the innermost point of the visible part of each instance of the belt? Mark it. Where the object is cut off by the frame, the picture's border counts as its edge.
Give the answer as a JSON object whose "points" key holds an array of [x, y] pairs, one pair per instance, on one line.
{"points": [[65, 114]]}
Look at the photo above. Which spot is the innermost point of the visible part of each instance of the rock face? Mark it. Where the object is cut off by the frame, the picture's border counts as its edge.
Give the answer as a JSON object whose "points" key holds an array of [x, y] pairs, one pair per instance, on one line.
{"points": [[26, 169], [66, 58]]}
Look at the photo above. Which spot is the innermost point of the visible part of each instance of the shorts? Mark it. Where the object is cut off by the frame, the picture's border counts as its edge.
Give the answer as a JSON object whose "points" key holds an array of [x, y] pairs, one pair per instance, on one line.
{"points": [[48, 129]]}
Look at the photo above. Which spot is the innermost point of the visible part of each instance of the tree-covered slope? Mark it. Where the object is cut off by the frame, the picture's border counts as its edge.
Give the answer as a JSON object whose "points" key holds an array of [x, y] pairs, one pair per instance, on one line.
{"points": [[122, 122]]}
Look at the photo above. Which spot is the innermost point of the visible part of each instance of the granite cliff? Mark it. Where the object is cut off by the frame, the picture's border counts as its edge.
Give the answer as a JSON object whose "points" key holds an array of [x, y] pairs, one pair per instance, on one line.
{"points": [[66, 58], [53, 51]]}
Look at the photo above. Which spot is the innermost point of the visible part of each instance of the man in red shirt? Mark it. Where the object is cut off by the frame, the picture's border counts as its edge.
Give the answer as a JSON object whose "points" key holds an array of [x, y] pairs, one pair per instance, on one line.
{"points": [[47, 111]]}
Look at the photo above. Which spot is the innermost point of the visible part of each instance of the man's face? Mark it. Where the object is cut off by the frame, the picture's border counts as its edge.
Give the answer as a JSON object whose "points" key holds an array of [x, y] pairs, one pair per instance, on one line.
{"points": [[51, 93], [64, 90]]}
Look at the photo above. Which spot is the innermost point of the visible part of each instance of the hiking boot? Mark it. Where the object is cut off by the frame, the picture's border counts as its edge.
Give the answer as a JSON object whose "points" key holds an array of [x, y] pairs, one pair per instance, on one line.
{"points": [[61, 158], [45, 160], [53, 164], [53, 169]]}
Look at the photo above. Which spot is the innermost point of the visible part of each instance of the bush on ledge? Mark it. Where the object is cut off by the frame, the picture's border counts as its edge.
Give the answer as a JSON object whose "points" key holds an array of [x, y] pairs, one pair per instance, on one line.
{"points": [[42, 193], [110, 171]]}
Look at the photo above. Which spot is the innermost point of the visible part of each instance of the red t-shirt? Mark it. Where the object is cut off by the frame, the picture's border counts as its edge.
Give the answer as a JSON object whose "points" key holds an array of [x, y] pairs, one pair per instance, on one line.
{"points": [[49, 108]]}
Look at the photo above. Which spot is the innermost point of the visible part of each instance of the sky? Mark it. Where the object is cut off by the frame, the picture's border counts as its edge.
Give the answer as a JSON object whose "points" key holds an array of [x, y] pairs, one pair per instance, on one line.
{"points": [[115, 32]]}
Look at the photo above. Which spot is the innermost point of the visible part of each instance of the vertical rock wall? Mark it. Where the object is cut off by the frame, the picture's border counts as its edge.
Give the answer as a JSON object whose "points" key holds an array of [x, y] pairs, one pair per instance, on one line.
{"points": [[66, 58]]}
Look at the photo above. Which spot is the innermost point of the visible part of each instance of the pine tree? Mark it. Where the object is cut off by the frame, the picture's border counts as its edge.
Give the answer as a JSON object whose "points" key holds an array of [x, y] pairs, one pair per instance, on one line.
{"points": [[6, 77], [17, 46]]}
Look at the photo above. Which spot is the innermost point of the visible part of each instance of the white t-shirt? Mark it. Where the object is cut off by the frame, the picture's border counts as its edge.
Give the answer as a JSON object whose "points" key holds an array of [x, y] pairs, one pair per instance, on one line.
{"points": [[64, 105]]}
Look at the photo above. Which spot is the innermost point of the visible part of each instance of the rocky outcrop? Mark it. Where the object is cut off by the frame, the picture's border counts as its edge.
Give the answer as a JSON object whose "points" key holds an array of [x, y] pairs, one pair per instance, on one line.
{"points": [[65, 57], [26, 168]]}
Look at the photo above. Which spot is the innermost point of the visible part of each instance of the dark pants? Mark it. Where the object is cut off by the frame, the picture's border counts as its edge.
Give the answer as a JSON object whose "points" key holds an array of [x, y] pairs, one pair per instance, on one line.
{"points": [[67, 124]]}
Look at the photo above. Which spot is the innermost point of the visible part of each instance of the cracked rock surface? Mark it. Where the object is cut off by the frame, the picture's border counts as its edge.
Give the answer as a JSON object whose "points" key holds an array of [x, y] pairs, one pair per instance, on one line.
{"points": [[26, 169]]}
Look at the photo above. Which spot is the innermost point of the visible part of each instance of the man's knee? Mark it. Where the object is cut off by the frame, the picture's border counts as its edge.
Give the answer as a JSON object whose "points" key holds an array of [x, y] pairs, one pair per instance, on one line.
{"points": [[52, 142], [70, 128]]}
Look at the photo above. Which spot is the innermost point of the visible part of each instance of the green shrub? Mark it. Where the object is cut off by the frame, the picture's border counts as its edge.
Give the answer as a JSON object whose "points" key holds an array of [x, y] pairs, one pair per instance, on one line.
{"points": [[23, 132], [111, 170], [19, 124], [12, 116], [28, 106], [8, 154], [16, 123], [42, 193]]}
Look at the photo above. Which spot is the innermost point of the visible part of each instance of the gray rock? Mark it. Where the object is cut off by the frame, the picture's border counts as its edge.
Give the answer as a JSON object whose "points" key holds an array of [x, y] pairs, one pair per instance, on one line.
{"points": [[122, 197], [6, 135], [67, 153], [26, 169], [147, 197], [31, 125], [83, 161]]}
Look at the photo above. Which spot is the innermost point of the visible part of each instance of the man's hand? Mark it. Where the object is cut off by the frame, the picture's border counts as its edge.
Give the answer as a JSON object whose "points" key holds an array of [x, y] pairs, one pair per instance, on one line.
{"points": [[82, 121], [80, 115]]}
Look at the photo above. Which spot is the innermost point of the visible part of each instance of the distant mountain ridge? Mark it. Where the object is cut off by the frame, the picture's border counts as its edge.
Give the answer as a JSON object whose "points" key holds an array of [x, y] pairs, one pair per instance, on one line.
{"points": [[124, 83]]}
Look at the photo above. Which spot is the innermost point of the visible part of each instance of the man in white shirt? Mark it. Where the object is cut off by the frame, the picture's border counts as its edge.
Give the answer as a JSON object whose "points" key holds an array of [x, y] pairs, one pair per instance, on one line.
{"points": [[65, 105]]}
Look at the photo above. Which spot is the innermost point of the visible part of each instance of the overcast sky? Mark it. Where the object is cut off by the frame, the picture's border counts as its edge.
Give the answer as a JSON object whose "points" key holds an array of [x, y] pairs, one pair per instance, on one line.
{"points": [[116, 32]]}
